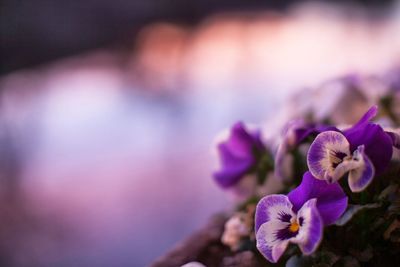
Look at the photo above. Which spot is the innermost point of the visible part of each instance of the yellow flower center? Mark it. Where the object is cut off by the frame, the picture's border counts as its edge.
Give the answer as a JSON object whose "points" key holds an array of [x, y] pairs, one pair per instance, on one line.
{"points": [[294, 227]]}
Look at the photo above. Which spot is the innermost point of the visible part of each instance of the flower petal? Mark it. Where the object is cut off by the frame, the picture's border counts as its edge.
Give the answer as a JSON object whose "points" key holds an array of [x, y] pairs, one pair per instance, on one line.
{"points": [[326, 152], [395, 136], [312, 129], [271, 253], [273, 216], [362, 176], [344, 167], [378, 144], [241, 142], [237, 155], [296, 132], [331, 200], [311, 228], [273, 207], [231, 174], [371, 113]]}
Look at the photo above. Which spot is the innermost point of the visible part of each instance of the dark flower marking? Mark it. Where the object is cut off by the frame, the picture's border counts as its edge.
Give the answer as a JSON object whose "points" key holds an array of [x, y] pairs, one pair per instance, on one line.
{"points": [[286, 233], [284, 217]]}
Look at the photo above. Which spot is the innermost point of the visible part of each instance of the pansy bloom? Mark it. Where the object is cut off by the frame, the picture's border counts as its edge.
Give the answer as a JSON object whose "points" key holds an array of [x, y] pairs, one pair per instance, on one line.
{"points": [[298, 217], [295, 133], [240, 155], [362, 151]]}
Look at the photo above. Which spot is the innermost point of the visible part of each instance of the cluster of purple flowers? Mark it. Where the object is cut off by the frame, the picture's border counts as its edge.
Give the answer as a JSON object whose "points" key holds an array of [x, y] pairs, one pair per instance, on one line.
{"points": [[239, 154], [359, 152]]}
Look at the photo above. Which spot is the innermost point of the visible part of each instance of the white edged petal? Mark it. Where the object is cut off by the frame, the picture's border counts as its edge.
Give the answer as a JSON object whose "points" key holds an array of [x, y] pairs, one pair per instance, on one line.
{"points": [[271, 248], [328, 150], [273, 216], [361, 177], [311, 227]]}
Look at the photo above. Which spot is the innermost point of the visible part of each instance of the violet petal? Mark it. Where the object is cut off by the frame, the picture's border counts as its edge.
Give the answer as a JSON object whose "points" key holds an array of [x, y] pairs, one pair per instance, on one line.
{"points": [[378, 144], [395, 138], [310, 234], [273, 216], [326, 152], [237, 155], [272, 207], [371, 113], [230, 175], [331, 200], [361, 177], [297, 131]]}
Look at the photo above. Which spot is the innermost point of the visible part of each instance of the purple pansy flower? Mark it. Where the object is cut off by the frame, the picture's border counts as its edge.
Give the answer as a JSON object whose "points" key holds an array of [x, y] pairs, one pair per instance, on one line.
{"points": [[284, 226], [296, 132], [361, 151], [297, 218], [239, 155]]}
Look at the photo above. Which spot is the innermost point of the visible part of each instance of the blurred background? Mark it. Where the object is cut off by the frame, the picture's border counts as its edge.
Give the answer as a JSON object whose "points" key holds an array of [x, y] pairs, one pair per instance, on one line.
{"points": [[109, 110]]}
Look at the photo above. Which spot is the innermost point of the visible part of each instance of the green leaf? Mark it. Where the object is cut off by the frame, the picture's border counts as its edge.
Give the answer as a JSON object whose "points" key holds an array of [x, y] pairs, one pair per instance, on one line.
{"points": [[353, 210], [388, 191], [298, 261]]}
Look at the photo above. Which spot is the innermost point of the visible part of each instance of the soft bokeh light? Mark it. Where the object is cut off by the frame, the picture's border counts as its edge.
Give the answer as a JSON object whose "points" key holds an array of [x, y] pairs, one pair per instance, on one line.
{"points": [[111, 152]]}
